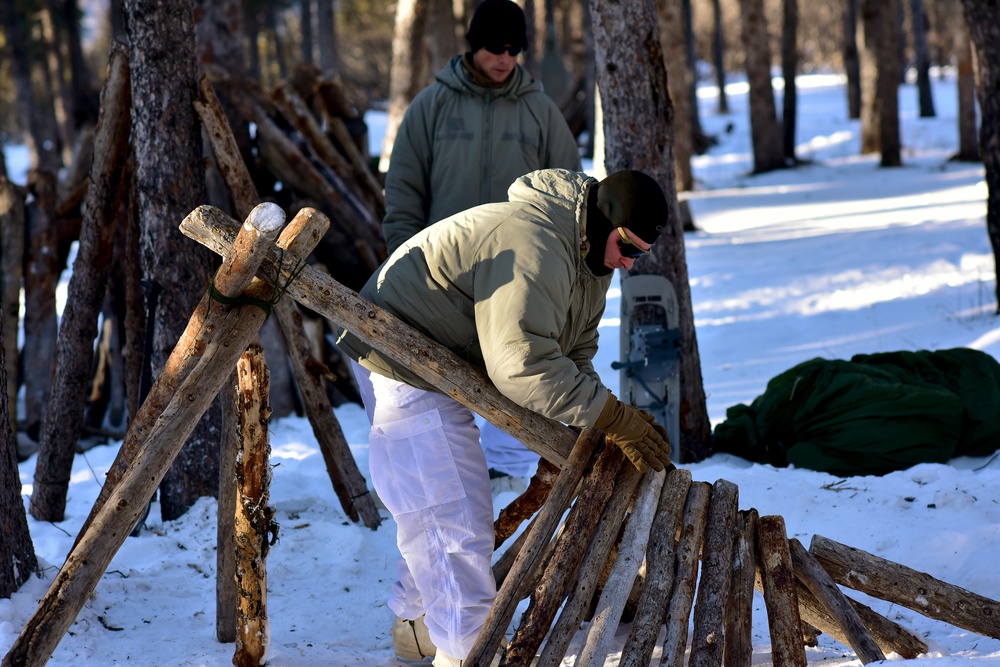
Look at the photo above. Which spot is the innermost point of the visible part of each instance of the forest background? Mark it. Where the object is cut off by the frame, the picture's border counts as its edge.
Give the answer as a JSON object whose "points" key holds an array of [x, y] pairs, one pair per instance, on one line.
{"points": [[295, 81]]}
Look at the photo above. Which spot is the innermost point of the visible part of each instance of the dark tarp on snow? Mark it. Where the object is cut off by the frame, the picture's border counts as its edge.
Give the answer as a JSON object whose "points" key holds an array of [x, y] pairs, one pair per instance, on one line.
{"points": [[871, 415]]}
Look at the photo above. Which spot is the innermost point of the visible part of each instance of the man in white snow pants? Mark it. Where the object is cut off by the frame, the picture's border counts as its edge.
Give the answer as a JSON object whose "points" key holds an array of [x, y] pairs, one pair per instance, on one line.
{"points": [[518, 289]]}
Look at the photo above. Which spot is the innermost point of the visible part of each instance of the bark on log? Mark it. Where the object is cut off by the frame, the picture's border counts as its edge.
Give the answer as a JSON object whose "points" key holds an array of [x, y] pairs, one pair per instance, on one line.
{"points": [[601, 546], [528, 561], [661, 554], [525, 505], [12, 229], [618, 586], [348, 482], [255, 527], [739, 617], [685, 577], [74, 352], [914, 590], [561, 570], [815, 578], [231, 280], [433, 362], [110, 527], [775, 562], [708, 637]]}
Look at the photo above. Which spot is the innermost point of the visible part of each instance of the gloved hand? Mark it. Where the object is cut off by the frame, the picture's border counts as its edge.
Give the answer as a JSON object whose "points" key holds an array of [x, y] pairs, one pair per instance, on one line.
{"points": [[644, 442]]}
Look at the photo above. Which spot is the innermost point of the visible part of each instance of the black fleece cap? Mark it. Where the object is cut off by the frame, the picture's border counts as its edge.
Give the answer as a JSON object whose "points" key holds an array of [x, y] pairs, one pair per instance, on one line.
{"points": [[634, 200], [499, 22]]}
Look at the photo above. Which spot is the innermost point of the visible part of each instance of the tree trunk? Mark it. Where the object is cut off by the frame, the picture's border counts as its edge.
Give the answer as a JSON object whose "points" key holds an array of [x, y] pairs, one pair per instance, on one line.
{"points": [[41, 154], [252, 28], [442, 34], [983, 19], [638, 117], [326, 36], [968, 135], [12, 233], [880, 81], [169, 184], [718, 50], [765, 130], [87, 287], [85, 102], [407, 74], [40, 280], [918, 24], [670, 16], [62, 102], [852, 63], [306, 19], [17, 553], [789, 68]]}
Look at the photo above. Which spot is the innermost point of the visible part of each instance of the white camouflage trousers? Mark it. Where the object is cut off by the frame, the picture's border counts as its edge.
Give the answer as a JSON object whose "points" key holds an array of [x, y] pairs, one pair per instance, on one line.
{"points": [[428, 467]]}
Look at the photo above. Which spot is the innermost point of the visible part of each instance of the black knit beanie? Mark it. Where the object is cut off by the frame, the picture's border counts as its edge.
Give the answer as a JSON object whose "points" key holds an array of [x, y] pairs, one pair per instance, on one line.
{"points": [[629, 199], [499, 22]]}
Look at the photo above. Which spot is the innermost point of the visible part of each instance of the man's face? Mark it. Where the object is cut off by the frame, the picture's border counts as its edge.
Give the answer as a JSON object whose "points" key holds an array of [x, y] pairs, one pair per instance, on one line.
{"points": [[495, 67], [613, 257]]}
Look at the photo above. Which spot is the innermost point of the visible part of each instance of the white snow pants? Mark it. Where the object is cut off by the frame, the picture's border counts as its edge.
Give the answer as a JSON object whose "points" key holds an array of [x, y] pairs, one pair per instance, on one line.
{"points": [[428, 468]]}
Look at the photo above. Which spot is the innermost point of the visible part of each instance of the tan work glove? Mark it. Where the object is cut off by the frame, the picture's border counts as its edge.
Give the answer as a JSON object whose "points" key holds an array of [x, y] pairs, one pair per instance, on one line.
{"points": [[644, 442]]}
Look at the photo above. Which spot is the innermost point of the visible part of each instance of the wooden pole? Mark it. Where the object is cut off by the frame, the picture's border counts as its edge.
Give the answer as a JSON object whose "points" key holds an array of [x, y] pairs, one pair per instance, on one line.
{"points": [[914, 590], [630, 556], [226, 593], [254, 517], [562, 568], [348, 482], [528, 561], [739, 617], [661, 554], [686, 573], [708, 637], [579, 600], [778, 578], [432, 362], [819, 583]]}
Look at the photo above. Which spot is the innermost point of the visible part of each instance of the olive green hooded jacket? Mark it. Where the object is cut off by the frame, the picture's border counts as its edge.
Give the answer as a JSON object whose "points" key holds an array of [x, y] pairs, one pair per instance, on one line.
{"points": [[462, 144], [506, 288]]}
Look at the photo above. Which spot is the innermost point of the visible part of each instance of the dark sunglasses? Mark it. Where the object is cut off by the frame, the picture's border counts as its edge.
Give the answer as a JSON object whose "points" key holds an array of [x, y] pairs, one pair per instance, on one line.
{"points": [[629, 249], [497, 49]]}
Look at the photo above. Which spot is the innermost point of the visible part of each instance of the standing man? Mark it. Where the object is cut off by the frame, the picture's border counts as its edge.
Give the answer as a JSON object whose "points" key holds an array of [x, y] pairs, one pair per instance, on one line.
{"points": [[518, 289], [462, 142]]}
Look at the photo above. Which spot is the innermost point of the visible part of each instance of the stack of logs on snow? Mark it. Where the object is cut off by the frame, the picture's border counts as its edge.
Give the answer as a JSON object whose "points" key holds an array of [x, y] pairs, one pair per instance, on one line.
{"points": [[648, 571]]}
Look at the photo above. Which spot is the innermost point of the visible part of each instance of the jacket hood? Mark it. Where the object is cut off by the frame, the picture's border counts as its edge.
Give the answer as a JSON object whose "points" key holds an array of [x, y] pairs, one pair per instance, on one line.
{"points": [[552, 190], [455, 76]]}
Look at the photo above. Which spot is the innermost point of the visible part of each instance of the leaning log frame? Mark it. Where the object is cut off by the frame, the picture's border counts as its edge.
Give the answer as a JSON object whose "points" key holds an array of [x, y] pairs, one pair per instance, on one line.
{"points": [[109, 525]]}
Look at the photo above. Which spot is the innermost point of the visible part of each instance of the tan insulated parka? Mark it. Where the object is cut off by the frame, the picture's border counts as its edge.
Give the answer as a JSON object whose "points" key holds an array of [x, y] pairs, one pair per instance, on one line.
{"points": [[505, 287], [462, 144]]}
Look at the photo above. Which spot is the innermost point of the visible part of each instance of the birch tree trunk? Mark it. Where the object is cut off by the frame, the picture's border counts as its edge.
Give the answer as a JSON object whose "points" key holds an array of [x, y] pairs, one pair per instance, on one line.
{"points": [[170, 182], [983, 19], [638, 130]]}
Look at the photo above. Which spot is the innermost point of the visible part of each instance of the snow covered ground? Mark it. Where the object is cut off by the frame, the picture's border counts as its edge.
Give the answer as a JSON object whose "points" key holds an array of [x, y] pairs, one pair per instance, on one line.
{"points": [[835, 258]]}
